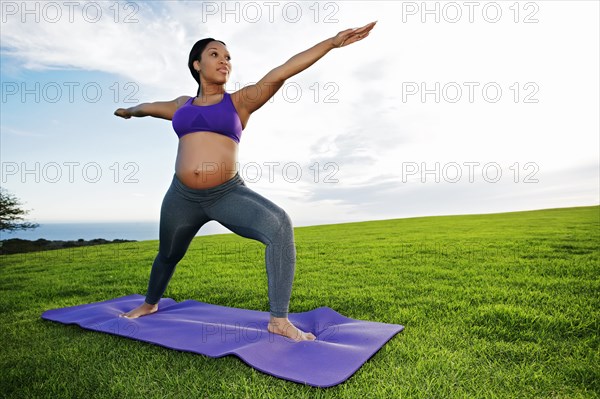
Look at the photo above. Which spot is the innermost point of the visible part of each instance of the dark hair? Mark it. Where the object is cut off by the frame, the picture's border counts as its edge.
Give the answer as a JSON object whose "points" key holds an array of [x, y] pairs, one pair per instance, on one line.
{"points": [[195, 54]]}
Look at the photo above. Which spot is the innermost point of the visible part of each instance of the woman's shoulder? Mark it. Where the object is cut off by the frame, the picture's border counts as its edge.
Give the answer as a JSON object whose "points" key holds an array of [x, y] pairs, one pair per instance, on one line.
{"points": [[181, 100]]}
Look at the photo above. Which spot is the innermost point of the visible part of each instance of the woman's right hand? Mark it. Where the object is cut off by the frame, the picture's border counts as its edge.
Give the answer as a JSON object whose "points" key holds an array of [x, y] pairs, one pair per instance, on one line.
{"points": [[157, 109], [123, 113]]}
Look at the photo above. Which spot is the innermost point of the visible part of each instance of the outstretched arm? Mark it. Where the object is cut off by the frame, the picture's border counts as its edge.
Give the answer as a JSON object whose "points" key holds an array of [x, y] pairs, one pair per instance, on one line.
{"points": [[157, 109], [254, 96]]}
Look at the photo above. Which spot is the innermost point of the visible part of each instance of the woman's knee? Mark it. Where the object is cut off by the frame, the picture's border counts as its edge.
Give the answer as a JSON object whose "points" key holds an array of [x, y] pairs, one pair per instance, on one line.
{"points": [[282, 245], [171, 256], [284, 238], [284, 223]]}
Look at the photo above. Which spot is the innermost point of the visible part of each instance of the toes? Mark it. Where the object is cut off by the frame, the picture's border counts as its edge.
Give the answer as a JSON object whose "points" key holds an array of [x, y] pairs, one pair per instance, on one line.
{"points": [[309, 336]]}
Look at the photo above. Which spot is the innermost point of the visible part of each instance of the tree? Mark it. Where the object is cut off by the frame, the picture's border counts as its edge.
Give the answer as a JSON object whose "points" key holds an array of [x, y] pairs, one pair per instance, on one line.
{"points": [[11, 213]]}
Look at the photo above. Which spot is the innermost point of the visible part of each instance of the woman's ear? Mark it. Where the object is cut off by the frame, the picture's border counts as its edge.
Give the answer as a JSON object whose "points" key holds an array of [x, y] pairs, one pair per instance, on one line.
{"points": [[196, 65]]}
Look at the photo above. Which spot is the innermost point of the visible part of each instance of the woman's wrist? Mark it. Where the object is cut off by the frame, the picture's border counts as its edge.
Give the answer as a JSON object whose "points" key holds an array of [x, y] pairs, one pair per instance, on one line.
{"points": [[331, 42]]}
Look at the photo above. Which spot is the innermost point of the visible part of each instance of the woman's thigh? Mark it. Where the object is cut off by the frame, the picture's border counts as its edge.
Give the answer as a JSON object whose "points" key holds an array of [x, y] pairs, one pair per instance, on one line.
{"points": [[250, 215], [180, 220]]}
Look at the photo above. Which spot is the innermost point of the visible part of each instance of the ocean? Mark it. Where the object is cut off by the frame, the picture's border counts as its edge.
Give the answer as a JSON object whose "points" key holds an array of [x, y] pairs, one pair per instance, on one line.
{"points": [[138, 231]]}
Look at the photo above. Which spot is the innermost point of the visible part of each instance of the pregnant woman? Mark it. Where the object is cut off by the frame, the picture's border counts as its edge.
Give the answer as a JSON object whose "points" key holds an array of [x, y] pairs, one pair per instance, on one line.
{"points": [[207, 185]]}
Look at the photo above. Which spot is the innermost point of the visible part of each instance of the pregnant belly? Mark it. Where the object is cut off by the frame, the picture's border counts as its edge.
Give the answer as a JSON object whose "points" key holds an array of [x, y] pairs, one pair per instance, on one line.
{"points": [[205, 159]]}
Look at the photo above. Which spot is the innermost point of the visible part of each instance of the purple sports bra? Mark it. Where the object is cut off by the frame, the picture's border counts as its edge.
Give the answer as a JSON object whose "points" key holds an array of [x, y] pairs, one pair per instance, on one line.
{"points": [[219, 118]]}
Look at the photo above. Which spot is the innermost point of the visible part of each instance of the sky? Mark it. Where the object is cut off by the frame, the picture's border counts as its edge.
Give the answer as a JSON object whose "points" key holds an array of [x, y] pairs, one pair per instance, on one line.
{"points": [[446, 108]]}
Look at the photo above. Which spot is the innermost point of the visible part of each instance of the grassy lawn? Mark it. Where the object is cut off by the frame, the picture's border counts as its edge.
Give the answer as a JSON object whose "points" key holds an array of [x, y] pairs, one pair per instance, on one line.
{"points": [[495, 306]]}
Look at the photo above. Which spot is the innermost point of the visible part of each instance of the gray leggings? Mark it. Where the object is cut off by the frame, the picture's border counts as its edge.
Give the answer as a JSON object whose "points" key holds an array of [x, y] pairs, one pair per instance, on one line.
{"points": [[184, 210]]}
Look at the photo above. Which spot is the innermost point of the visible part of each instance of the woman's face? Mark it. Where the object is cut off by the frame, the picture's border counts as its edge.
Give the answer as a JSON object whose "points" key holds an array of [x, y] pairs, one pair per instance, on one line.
{"points": [[215, 63]]}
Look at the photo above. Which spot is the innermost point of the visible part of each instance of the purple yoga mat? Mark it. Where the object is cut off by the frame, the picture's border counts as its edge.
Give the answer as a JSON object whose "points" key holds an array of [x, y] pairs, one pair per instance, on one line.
{"points": [[342, 345]]}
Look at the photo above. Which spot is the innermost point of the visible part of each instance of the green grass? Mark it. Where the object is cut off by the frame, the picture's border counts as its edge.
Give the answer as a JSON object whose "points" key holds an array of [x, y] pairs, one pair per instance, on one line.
{"points": [[495, 306]]}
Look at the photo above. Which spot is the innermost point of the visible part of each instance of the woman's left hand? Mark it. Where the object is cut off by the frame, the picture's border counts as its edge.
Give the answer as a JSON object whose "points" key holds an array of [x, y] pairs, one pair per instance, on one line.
{"points": [[350, 36]]}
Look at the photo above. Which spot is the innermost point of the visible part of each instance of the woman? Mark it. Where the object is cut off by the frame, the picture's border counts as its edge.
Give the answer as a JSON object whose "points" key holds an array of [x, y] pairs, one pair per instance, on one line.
{"points": [[207, 185]]}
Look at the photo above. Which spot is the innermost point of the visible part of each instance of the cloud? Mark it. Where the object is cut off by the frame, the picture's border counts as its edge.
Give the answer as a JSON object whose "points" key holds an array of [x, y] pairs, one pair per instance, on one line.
{"points": [[20, 132], [371, 71], [145, 47], [389, 195]]}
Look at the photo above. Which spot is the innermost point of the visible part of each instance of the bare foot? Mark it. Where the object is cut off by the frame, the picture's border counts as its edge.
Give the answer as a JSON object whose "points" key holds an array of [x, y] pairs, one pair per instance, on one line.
{"points": [[282, 326], [141, 310]]}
